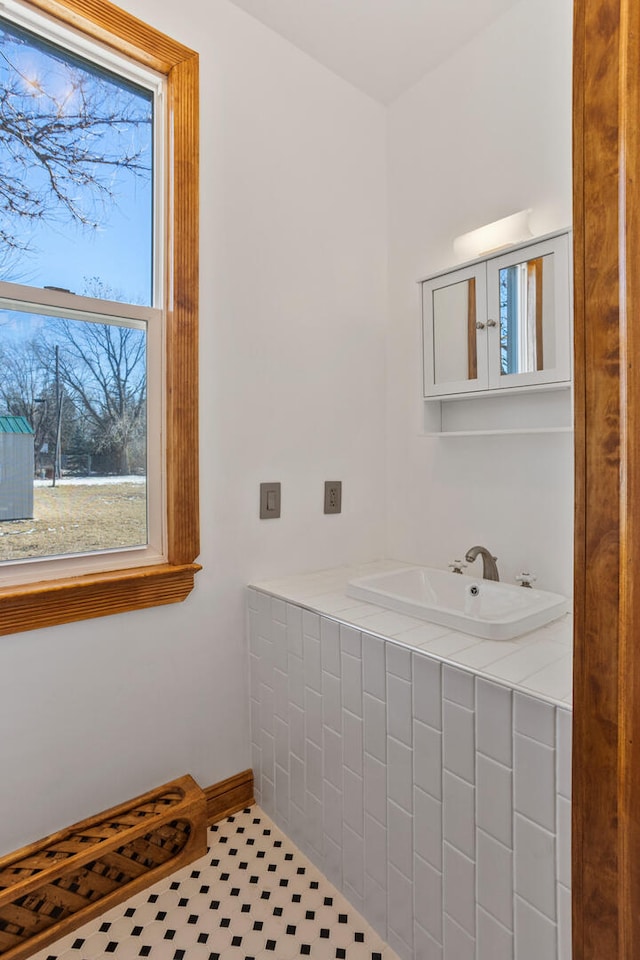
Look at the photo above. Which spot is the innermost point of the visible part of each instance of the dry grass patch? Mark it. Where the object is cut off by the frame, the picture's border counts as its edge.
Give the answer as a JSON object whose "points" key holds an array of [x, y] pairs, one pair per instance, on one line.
{"points": [[78, 518]]}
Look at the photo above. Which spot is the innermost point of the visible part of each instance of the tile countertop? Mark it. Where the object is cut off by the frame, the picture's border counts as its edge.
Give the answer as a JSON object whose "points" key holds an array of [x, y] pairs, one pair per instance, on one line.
{"points": [[538, 663]]}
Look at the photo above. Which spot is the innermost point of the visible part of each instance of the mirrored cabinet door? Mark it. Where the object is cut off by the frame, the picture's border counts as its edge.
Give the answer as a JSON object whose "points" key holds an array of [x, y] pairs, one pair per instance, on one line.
{"points": [[454, 332], [528, 315]]}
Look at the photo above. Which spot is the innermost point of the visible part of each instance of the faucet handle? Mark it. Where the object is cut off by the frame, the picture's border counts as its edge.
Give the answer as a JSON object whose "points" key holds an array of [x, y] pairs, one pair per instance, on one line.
{"points": [[457, 566], [526, 579]]}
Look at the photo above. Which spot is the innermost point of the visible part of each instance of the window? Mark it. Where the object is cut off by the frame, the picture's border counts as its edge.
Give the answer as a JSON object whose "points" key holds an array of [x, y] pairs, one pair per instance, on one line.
{"points": [[101, 325]]}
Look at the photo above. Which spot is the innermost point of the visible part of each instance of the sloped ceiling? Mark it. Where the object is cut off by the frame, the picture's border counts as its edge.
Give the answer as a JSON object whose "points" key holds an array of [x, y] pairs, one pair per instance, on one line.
{"points": [[382, 47]]}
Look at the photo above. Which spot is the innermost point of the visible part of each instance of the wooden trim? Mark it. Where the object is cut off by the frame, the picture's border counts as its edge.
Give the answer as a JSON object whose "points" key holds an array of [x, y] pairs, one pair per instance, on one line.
{"points": [[63, 601], [82, 598], [229, 796], [606, 758], [472, 333]]}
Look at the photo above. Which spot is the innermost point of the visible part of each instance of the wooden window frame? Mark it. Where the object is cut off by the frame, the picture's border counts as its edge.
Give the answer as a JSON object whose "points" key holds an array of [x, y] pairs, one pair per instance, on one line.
{"points": [[48, 602]]}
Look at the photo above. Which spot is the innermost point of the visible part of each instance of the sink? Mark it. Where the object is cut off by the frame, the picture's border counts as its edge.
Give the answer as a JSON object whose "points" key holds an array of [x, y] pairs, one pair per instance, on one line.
{"points": [[483, 608]]}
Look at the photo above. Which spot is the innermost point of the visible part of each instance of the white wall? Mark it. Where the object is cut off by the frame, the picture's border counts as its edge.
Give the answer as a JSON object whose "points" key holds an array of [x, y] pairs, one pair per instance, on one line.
{"points": [[292, 389], [485, 135]]}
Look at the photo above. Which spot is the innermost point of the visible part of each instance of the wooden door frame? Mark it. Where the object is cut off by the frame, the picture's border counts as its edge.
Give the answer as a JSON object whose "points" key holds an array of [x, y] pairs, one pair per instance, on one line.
{"points": [[606, 759]]}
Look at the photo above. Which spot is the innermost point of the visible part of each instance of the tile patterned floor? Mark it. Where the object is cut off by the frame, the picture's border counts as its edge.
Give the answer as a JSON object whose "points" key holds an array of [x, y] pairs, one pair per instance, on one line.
{"points": [[254, 896]]}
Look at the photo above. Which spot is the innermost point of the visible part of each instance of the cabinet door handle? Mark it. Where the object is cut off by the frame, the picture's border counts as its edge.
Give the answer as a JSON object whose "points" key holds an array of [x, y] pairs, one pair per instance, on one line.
{"points": [[492, 323], [480, 325]]}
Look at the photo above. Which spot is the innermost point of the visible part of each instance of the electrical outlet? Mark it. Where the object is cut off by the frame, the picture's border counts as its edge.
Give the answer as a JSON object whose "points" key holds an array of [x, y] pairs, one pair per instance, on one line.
{"points": [[333, 496], [269, 501]]}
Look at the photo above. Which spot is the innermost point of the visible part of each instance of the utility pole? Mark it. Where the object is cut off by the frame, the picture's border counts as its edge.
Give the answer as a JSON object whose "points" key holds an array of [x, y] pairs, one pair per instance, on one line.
{"points": [[57, 456]]}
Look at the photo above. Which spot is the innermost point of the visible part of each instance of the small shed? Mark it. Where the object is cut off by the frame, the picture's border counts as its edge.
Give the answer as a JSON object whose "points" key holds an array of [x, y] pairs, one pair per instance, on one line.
{"points": [[16, 468]]}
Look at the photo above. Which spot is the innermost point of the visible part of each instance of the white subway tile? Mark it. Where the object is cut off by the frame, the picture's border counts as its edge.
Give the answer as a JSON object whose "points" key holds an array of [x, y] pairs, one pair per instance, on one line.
{"points": [[375, 726], [330, 646], [535, 935], [427, 758], [294, 630], [458, 944], [268, 754], [373, 666], [310, 624], [398, 947], [296, 769], [313, 716], [458, 813], [353, 860], [427, 828], [282, 793], [254, 676], [459, 890], [399, 661], [331, 702], [267, 795], [281, 695], [332, 812], [400, 839], [375, 788], [458, 686], [427, 690], [534, 781], [534, 718], [352, 684], [424, 946], [399, 907], [266, 707], [313, 769], [352, 801], [564, 924], [313, 826], [375, 904], [312, 663], [279, 647], [350, 640], [427, 893], [494, 866], [375, 850], [494, 941], [535, 866], [449, 644], [563, 752], [400, 774], [255, 760], [494, 799], [493, 721], [332, 743], [252, 599], [264, 609], [296, 730], [281, 736], [254, 637], [399, 721], [458, 740], [278, 610], [352, 740], [563, 841], [354, 898], [332, 861], [296, 681]]}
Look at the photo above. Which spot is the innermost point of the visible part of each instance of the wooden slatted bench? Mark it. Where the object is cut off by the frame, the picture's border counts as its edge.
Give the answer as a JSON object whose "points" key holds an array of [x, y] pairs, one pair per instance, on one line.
{"points": [[49, 888]]}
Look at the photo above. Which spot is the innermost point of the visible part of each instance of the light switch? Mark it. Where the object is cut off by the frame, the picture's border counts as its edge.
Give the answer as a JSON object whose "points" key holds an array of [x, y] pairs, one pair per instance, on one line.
{"points": [[269, 501]]}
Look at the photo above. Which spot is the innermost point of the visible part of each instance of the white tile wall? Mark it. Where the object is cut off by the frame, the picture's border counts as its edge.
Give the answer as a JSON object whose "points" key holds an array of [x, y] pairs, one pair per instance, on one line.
{"points": [[436, 799]]}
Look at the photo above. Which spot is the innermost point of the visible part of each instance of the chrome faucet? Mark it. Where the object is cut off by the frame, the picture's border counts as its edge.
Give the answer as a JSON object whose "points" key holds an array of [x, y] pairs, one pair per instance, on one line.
{"points": [[489, 566]]}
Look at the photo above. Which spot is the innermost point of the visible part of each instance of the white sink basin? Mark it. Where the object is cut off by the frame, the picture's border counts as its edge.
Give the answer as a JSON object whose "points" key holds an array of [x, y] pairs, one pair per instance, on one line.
{"points": [[483, 608]]}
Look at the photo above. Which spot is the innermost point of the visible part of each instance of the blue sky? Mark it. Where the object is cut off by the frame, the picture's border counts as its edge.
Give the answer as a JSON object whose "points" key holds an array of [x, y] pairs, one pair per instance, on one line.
{"points": [[62, 252]]}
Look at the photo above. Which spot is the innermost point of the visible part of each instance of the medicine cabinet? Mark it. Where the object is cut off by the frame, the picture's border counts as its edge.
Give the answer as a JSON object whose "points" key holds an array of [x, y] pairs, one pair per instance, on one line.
{"points": [[499, 324]]}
